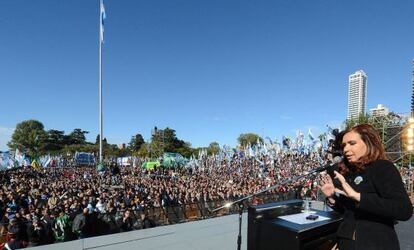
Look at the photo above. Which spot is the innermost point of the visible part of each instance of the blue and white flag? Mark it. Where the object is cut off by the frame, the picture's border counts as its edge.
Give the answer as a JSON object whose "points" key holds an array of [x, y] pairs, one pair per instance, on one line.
{"points": [[311, 137], [102, 17], [19, 157]]}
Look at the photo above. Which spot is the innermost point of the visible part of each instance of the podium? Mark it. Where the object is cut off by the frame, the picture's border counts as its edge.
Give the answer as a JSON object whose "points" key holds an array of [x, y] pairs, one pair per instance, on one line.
{"points": [[267, 231]]}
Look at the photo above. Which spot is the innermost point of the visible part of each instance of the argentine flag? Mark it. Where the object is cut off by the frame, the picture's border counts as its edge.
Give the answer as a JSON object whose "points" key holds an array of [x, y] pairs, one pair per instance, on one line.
{"points": [[102, 17]]}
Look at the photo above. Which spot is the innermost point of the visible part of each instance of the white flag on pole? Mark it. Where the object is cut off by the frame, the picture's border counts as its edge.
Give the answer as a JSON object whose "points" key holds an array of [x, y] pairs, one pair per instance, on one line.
{"points": [[102, 17]]}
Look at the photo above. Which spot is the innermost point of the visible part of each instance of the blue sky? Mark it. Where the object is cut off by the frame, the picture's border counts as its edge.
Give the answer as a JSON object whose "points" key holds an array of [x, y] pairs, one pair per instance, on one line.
{"points": [[208, 69]]}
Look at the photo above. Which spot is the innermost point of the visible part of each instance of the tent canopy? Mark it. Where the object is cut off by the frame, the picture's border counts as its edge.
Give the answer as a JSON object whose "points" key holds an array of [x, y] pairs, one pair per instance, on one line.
{"points": [[150, 165], [173, 160]]}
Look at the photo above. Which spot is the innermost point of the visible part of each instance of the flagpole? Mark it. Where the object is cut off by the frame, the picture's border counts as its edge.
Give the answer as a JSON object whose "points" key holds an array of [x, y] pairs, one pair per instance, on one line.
{"points": [[100, 82]]}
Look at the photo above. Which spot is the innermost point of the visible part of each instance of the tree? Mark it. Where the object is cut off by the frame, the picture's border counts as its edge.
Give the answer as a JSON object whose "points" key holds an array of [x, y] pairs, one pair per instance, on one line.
{"points": [[104, 141], [112, 150], [28, 137], [73, 148], [144, 151], [136, 143], [164, 140], [213, 148], [77, 136], [186, 150], [362, 118], [54, 141], [248, 138]]}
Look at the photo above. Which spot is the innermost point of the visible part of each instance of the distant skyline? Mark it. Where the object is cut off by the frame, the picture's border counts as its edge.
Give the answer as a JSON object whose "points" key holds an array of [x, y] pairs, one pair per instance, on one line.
{"points": [[357, 94], [210, 70]]}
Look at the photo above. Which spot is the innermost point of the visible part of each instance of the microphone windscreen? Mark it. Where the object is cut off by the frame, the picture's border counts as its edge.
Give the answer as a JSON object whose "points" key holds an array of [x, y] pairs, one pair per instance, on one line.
{"points": [[331, 173]]}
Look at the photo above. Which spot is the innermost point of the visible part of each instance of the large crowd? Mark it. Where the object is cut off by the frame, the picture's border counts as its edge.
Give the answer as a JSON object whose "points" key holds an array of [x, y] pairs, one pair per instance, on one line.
{"points": [[50, 205]]}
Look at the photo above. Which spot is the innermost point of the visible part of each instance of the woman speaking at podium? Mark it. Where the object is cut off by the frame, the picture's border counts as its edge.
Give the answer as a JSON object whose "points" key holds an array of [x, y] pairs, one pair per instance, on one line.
{"points": [[371, 195]]}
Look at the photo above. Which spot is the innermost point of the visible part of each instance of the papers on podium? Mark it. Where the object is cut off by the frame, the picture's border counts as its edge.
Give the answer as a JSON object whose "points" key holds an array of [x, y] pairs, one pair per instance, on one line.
{"points": [[300, 218]]}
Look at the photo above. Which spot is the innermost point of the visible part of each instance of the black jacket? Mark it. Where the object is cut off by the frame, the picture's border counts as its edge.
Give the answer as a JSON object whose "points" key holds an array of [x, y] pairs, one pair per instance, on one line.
{"points": [[383, 201]]}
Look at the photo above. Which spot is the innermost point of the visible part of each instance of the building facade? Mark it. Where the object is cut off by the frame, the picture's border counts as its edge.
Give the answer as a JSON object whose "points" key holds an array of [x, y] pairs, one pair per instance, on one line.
{"points": [[357, 93], [412, 91], [379, 111]]}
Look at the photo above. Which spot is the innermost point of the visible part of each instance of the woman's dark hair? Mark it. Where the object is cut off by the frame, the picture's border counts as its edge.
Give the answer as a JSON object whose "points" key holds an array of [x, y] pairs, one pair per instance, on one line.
{"points": [[375, 149]]}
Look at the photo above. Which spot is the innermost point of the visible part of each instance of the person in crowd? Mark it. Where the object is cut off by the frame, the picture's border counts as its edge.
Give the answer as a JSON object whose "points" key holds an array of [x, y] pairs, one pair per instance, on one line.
{"points": [[52, 201], [14, 242], [146, 222], [62, 226], [79, 224], [115, 173], [46, 222], [26, 193], [109, 219], [127, 223], [371, 194], [36, 233], [3, 235]]}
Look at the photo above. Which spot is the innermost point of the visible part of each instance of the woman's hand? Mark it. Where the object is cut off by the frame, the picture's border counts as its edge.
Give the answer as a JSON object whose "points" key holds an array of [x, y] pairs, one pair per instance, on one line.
{"points": [[347, 190], [326, 186]]}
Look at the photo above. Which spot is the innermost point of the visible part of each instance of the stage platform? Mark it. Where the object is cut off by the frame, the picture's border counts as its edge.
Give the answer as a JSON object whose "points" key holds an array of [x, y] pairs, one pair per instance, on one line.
{"points": [[211, 234]]}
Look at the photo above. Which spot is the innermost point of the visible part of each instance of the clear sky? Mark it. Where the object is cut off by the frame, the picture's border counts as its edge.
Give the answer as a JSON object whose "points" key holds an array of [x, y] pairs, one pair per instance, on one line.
{"points": [[208, 69]]}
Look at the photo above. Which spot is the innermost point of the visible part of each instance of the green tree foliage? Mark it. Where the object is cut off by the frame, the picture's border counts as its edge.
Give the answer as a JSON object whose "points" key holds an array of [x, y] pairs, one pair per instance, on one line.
{"points": [[72, 149], [361, 119], [136, 143], [28, 137], [109, 150], [77, 136], [54, 142], [32, 140], [213, 148], [112, 150], [155, 149], [164, 140], [186, 150], [248, 138], [104, 141], [144, 152]]}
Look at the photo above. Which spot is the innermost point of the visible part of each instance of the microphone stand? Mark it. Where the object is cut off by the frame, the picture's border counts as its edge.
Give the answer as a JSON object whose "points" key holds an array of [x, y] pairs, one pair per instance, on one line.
{"points": [[239, 202]]}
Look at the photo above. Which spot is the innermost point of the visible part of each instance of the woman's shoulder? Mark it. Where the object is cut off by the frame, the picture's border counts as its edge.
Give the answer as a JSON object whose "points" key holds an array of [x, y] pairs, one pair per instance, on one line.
{"points": [[381, 163], [382, 166]]}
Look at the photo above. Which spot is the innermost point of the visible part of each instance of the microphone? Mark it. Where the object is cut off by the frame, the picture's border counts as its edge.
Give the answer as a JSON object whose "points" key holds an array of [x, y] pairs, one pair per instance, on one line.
{"points": [[336, 160]]}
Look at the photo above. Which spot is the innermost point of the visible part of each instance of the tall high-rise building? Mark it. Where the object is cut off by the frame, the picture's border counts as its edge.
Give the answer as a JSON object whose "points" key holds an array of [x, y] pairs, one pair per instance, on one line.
{"points": [[412, 93], [357, 94]]}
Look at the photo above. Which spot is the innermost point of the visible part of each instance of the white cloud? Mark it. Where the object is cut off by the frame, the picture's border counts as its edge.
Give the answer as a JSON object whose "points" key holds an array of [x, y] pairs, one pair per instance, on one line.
{"points": [[5, 136]]}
